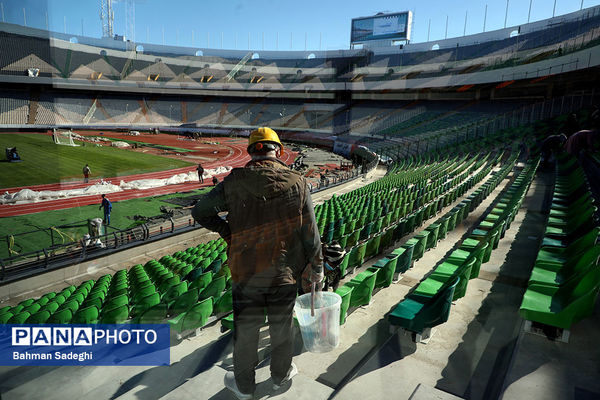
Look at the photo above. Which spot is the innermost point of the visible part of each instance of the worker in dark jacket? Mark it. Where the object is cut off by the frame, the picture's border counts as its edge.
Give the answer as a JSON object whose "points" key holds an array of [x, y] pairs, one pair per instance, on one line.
{"points": [[272, 236]]}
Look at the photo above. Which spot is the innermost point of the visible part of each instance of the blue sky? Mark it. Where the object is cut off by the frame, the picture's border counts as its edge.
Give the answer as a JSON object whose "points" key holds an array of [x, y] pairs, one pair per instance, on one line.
{"points": [[284, 24]]}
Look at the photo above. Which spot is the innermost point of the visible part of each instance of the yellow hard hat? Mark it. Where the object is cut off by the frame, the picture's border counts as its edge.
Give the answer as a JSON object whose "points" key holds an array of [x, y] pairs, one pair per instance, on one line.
{"points": [[264, 134]]}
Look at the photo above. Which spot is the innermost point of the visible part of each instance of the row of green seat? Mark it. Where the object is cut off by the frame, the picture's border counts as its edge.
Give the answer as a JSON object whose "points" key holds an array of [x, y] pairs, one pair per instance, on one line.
{"points": [[358, 291], [428, 304], [565, 279], [143, 294], [389, 197]]}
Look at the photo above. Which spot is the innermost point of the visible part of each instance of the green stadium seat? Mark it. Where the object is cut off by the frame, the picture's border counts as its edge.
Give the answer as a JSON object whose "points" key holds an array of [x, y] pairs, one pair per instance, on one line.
{"points": [[169, 283], [562, 306], [372, 247], [416, 315], [19, 318], [353, 238], [405, 260], [345, 293], [72, 305], [51, 307], [38, 318], [357, 255], [144, 303], [183, 303], [386, 269], [214, 289], [420, 241], [443, 230], [5, 317], [118, 301], [574, 269], [195, 317], [96, 301], [446, 271], [115, 315], [32, 308], [26, 303], [42, 301], [153, 315], [88, 315], [138, 294], [227, 323], [558, 256], [386, 239], [434, 231], [363, 285], [224, 304], [344, 265], [63, 316]]}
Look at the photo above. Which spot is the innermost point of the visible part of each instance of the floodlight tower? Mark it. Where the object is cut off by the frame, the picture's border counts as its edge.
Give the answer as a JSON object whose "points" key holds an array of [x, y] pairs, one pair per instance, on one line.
{"points": [[107, 16]]}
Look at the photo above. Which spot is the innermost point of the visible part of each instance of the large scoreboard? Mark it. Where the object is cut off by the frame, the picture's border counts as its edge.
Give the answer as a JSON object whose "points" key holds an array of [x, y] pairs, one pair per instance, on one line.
{"points": [[394, 26]]}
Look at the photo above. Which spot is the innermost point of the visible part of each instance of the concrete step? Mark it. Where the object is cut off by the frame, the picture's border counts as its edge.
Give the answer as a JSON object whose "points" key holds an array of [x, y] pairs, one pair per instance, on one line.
{"points": [[209, 385]]}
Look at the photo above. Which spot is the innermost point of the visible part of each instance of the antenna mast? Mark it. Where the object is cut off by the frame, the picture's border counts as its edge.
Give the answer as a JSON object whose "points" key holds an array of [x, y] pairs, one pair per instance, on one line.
{"points": [[107, 16]]}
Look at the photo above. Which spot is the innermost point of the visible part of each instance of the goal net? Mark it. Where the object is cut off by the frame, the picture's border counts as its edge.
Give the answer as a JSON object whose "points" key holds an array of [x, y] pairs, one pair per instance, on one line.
{"points": [[64, 138]]}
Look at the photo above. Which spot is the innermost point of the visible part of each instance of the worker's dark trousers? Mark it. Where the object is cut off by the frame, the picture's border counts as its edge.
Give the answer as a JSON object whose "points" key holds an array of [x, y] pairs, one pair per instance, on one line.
{"points": [[249, 305]]}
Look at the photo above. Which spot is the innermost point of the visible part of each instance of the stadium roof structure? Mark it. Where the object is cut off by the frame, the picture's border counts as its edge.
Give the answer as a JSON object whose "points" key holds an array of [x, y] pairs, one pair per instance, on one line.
{"points": [[534, 50]]}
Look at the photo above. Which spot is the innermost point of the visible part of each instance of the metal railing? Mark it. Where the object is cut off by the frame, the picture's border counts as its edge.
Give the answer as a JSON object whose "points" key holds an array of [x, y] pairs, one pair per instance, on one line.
{"points": [[58, 256]]}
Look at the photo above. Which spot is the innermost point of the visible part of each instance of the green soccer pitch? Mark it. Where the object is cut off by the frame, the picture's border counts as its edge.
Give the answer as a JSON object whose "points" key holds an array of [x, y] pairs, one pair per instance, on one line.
{"points": [[45, 162]]}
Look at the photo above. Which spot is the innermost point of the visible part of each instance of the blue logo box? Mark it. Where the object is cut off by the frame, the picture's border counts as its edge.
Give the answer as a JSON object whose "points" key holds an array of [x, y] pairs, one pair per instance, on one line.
{"points": [[121, 344]]}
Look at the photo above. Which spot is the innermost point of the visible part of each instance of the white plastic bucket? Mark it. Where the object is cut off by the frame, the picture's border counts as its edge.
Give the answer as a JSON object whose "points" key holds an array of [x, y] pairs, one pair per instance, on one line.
{"points": [[321, 332]]}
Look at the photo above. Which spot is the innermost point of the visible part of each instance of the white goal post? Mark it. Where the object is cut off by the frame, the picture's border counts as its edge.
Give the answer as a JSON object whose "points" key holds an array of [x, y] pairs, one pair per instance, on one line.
{"points": [[64, 138]]}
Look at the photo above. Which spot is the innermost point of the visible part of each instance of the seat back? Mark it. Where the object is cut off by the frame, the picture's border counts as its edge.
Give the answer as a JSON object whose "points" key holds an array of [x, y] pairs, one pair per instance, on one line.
{"points": [[184, 302], [63, 316], [85, 315], [38, 318], [115, 315], [198, 315]]}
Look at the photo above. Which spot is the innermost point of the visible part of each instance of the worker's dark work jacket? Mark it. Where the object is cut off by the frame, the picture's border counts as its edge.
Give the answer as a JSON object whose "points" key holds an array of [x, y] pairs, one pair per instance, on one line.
{"points": [[270, 226]]}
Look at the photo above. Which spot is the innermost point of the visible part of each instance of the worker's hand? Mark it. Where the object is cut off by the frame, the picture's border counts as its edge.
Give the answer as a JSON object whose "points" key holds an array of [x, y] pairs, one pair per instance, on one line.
{"points": [[316, 277]]}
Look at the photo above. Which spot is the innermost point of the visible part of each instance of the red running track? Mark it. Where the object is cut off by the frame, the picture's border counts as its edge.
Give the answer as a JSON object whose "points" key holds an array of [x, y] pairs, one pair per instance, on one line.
{"points": [[237, 158]]}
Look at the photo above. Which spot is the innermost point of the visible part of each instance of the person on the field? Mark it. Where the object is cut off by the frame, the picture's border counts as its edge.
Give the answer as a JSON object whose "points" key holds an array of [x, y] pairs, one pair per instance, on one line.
{"points": [[200, 170], [107, 205], [86, 173], [272, 236]]}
